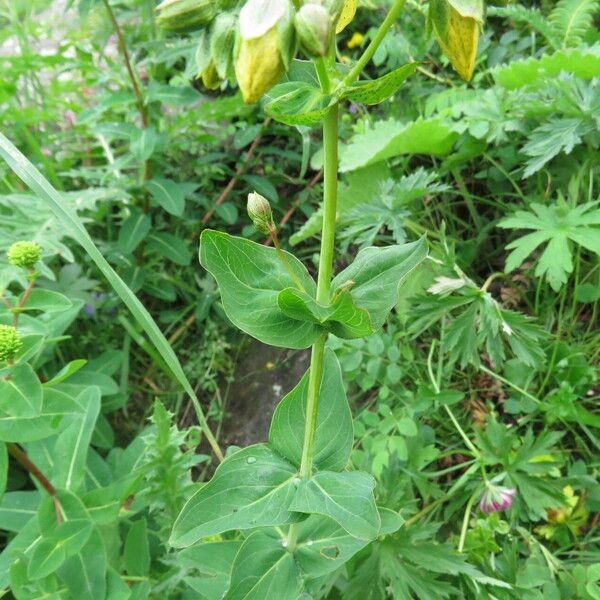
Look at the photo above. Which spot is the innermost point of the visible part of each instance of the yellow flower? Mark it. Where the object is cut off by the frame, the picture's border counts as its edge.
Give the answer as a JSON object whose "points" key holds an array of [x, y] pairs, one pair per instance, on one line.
{"points": [[355, 40]]}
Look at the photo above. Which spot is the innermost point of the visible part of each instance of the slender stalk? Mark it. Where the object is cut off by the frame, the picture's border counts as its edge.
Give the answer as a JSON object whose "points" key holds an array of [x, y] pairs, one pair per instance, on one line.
{"points": [[35, 472], [465, 524], [123, 47], [375, 42]]}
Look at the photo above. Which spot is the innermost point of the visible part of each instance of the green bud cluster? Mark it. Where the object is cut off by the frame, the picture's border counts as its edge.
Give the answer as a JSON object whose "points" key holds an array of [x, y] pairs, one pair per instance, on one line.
{"points": [[10, 342], [254, 41], [24, 254]]}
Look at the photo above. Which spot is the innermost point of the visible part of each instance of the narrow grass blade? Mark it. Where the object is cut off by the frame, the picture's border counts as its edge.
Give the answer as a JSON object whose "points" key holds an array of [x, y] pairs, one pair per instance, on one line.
{"points": [[38, 184]]}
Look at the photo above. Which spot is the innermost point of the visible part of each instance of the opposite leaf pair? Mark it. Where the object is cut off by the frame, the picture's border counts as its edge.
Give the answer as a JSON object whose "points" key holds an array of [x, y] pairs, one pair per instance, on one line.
{"points": [[262, 298]]}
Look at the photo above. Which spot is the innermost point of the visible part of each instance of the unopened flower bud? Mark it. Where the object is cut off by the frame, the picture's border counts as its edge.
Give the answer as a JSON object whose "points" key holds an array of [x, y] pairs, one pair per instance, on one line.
{"points": [[314, 27], [456, 25], [210, 77], [259, 211], [265, 46], [495, 498], [10, 342], [185, 15], [24, 254]]}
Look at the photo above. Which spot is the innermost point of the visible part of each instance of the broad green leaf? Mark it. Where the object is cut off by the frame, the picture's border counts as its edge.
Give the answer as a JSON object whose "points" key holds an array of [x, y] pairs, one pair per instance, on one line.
{"points": [[171, 247], [72, 444], [72, 535], [21, 393], [392, 138], [380, 89], [297, 103], [169, 194], [250, 277], [377, 273], [346, 497], [143, 143], [25, 539], [263, 568], [251, 488], [323, 546], [133, 231], [47, 300], [84, 573], [137, 551], [69, 219], [17, 509], [333, 435], [65, 540], [56, 405], [213, 561], [66, 372], [342, 317], [47, 556]]}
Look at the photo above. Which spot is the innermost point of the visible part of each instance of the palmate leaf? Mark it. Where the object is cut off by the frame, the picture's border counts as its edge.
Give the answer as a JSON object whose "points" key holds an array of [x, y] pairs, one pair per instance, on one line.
{"points": [[560, 225], [550, 139]]}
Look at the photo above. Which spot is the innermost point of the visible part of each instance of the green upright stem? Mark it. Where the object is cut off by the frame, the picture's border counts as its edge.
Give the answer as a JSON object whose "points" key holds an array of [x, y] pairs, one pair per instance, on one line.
{"points": [[375, 42], [330, 148]]}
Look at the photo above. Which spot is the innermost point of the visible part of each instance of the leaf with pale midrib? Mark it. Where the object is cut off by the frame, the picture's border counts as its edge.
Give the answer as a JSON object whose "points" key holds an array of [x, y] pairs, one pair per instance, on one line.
{"points": [[333, 434], [250, 277], [251, 488]]}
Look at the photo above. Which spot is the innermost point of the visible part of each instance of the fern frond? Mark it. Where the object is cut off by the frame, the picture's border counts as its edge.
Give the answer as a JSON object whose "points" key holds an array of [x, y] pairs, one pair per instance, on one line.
{"points": [[527, 16], [571, 20]]}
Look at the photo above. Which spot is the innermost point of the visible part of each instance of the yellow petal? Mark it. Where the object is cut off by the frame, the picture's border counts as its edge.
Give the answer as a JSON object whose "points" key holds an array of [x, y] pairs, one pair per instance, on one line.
{"points": [[347, 14]]}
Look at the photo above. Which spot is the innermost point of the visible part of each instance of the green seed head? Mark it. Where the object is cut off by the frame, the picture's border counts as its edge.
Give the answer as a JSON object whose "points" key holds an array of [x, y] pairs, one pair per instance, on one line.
{"points": [[259, 211], [24, 254], [10, 342]]}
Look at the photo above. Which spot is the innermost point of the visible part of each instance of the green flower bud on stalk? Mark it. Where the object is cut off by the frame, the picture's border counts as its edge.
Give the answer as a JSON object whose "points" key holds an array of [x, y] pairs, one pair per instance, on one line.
{"points": [[314, 26], [260, 213], [10, 342], [265, 46], [24, 254], [185, 15], [456, 25]]}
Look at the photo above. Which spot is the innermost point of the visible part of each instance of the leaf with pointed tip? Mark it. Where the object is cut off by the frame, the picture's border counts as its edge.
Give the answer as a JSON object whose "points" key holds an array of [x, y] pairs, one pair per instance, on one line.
{"points": [[250, 277], [377, 273], [21, 393], [213, 560], [380, 89], [251, 488], [343, 318], [346, 497], [72, 445], [84, 573], [333, 434], [323, 546], [263, 568]]}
